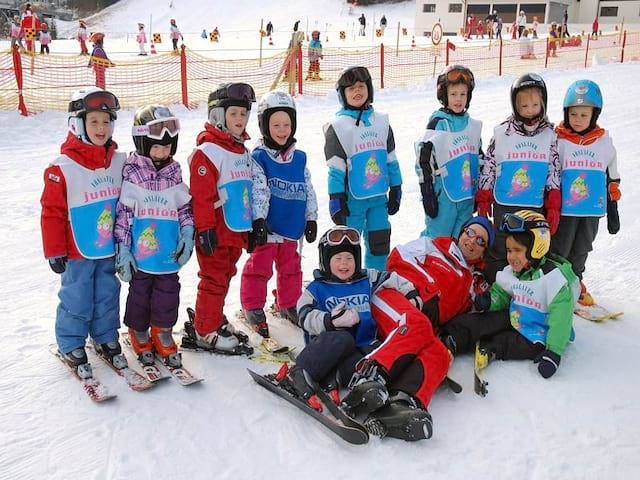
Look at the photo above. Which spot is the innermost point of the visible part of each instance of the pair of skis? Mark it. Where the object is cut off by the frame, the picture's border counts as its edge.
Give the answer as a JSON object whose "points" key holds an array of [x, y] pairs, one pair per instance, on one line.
{"points": [[596, 313]]}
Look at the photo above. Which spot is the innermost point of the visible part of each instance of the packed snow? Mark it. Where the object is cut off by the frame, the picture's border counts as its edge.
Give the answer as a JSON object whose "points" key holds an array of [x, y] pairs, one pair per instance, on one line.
{"points": [[583, 423]]}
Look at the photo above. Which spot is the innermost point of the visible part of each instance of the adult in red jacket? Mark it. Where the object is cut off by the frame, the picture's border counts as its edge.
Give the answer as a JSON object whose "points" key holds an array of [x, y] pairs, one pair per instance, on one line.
{"points": [[412, 362], [220, 170]]}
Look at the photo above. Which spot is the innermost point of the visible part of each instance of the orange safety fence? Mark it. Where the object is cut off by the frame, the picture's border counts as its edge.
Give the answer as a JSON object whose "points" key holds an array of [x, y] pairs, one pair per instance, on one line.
{"points": [[44, 83]]}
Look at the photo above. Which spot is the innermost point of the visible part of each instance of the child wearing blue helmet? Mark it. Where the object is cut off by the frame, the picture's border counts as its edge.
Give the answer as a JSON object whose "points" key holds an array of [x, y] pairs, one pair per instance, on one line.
{"points": [[590, 179], [364, 174]]}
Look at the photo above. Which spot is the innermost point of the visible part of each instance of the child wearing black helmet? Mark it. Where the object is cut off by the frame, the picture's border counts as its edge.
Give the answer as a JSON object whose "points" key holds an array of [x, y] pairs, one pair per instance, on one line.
{"points": [[364, 175], [81, 189], [590, 178], [448, 155], [529, 308], [521, 167], [220, 177], [154, 234]]}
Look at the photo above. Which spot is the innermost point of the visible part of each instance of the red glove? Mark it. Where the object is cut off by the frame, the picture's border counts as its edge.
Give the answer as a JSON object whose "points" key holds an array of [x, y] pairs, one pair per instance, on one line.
{"points": [[614, 191], [552, 204], [484, 199]]}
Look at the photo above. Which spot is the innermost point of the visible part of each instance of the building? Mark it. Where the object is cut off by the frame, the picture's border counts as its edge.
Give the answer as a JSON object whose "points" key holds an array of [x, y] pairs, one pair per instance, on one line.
{"points": [[452, 14]]}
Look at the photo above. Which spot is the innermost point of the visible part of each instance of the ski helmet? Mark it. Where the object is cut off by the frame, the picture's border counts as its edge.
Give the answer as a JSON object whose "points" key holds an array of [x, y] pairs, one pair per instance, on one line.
{"points": [[453, 75], [270, 103], [155, 125], [583, 93], [537, 236], [348, 77], [91, 99], [96, 37], [227, 95], [528, 80], [339, 238]]}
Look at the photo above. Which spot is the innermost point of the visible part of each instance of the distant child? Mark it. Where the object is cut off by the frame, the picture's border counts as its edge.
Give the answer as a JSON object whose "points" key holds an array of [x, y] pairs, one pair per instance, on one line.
{"points": [[526, 47], [595, 26], [590, 178], [337, 313], [363, 168], [16, 34], [534, 28], [530, 306], [99, 59], [447, 160], [81, 36], [284, 208], [554, 38], [175, 34], [315, 55], [45, 39], [220, 177], [203, 34], [141, 38], [480, 30], [154, 234], [81, 189], [521, 168]]}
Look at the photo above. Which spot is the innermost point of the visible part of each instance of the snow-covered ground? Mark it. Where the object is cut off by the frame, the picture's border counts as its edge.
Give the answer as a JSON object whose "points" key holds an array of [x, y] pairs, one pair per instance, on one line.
{"points": [[583, 423]]}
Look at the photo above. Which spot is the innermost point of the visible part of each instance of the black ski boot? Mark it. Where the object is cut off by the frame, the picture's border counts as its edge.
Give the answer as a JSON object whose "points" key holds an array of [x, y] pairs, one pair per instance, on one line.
{"points": [[400, 418], [290, 314], [258, 321], [112, 352], [295, 380], [367, 391], [75, 358]]}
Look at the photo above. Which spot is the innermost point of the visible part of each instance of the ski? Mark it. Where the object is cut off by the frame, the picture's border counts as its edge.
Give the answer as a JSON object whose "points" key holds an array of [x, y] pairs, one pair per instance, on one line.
{"points": [[481, 360], [95, 390], [269, 344], [189, 340], [452, 385], [152, 372], [596, 313], [183, 376], [119, 364], [349, 430]]}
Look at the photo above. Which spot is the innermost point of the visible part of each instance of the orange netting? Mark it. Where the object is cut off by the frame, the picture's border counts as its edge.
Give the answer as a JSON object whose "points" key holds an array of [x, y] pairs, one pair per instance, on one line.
{"points": [[189, 76]]}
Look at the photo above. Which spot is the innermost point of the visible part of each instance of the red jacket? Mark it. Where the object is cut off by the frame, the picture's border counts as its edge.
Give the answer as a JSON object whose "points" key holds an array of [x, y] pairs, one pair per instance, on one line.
{"points": [[204, 187], [436, 268], [57, 238]]}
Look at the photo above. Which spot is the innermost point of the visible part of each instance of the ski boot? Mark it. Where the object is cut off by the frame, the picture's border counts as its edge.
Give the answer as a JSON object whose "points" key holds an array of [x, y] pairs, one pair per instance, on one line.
{"points": [[367, 390], [290, 314], [400, 418], [165, 347], [258, 321], [75, 358], [295, 381], [142, 345], [112, 353], [226, 340], [585, 297], [330, 385], [316, 76]]}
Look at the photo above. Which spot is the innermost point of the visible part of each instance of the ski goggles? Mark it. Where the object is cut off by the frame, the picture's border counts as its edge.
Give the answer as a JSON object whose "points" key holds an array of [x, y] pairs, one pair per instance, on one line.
{"points": [[475, 236], [157, 129], [233, 92], [515, 223], [456, 75], [353, 75], [96, 102], [337, 235]]}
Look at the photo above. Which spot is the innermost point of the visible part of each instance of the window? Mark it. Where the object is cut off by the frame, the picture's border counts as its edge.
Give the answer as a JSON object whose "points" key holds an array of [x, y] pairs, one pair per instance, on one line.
{"points": [[455, 8], [429, 8], [608, 11]]}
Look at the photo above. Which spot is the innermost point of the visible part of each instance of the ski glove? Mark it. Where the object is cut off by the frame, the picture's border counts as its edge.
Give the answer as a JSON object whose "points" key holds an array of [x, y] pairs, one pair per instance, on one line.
{"points": [[208, 241], [613, 219], [338, 208], [614, 191], [259, 229], [393, 204], [311, 231], [548, 362], [125, 263], [429, 199], [552, 204], [343, 318], [484, 199], [58, 264], [185, 244]]}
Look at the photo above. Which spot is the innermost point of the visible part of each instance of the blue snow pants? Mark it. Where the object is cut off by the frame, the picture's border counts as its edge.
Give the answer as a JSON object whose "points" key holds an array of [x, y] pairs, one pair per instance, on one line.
{"points": [[371, 219], [451, 215], [89, 303]]}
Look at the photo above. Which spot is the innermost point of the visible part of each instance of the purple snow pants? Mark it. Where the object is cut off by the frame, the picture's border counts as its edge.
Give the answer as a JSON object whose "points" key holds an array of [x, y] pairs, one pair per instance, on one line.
{"points": [[152, 300]]}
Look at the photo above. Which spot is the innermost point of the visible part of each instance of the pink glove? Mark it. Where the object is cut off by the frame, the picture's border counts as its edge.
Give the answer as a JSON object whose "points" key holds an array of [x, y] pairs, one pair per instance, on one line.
{"points": [[484, 199], [552, 204]]}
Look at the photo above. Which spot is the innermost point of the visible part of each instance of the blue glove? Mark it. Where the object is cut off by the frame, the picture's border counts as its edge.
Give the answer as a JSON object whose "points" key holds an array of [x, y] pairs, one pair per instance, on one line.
{"points": [[548, 362], [125, 263], [208, 241], [311, 231], [393, 204], [58, 264], [185, 245], [338, 208]]}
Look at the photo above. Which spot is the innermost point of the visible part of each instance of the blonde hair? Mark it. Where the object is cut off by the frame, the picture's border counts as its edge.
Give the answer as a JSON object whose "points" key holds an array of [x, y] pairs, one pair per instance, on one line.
{"points": [[528, 94]]}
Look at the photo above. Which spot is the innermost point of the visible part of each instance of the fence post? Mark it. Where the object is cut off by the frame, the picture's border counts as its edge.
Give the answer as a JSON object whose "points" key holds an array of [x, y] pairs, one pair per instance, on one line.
{"points": [[382, 66], [586, 52], [500, 57], [446, 56], [183, 76], [546, 53], [624, 43]]}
